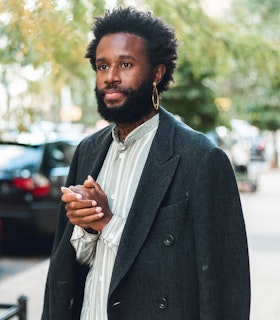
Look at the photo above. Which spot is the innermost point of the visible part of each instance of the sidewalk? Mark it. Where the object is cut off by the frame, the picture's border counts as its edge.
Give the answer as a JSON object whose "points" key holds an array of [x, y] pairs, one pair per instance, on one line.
{"points": [[30, 283]]}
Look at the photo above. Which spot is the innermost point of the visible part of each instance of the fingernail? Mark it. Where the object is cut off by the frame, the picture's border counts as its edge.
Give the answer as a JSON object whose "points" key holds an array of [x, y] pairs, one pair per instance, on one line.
{"points": [[89, 177], [65, 190]]}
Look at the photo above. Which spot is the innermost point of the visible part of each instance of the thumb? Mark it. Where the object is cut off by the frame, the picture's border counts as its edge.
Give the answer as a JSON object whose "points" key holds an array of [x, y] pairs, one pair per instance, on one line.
{"points": [[89, 177], [89, 183]]}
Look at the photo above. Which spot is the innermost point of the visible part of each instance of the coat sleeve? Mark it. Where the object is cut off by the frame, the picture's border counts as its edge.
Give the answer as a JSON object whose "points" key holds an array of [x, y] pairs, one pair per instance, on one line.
{"points": [[62, 219], [60, 229], [221, 243]]}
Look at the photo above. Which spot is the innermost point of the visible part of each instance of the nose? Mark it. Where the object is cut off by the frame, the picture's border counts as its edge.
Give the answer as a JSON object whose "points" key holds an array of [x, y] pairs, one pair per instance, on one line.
{"points": [[113, 75]]}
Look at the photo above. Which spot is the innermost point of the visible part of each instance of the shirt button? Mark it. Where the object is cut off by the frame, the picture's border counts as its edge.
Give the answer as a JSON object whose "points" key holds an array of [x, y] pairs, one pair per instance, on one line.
{"points": [[113, 196], [121, 146], [111, 236], [162, 303], [169, 240]]}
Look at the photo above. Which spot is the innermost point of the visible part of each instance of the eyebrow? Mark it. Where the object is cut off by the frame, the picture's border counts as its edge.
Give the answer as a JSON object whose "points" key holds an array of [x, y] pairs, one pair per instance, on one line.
{"points": [[122, 57]]}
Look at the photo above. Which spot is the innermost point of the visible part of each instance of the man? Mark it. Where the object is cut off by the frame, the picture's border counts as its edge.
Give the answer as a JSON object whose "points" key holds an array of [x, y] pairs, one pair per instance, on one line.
{"points": [[151, 226]]}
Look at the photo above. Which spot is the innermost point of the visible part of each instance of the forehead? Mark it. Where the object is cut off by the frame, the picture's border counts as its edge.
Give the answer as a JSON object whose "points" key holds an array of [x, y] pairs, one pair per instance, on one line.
{"points": [[119, 44]]}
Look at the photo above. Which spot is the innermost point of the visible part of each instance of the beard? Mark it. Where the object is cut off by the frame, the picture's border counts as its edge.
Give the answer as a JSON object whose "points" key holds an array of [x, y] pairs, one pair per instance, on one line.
{"points": [[137, 105]]}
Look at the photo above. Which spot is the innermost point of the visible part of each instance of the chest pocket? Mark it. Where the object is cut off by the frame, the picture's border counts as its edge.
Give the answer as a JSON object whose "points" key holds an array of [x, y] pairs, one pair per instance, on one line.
{"points": [[175, 210]]}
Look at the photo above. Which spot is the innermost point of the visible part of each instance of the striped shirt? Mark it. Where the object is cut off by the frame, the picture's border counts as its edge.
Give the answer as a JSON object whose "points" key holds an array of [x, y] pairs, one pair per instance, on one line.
{"points": [[119, 178]]}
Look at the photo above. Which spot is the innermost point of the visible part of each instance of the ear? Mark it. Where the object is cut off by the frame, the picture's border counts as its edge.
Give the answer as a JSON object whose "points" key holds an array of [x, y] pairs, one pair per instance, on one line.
{"points": [[159, 72]]}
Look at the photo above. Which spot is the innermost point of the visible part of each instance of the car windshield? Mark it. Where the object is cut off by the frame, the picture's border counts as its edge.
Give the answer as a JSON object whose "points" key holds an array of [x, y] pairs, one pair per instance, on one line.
{"points": [[15, 156]]}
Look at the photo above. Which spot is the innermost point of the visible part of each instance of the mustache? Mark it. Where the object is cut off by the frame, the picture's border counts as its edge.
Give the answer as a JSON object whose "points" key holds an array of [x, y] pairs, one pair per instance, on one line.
{"points": [[113, 86]]}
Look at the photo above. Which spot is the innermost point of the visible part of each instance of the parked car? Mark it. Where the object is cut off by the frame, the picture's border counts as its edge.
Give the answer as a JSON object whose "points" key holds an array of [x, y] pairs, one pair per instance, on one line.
{"points": [[257, 147], [30, 179]]}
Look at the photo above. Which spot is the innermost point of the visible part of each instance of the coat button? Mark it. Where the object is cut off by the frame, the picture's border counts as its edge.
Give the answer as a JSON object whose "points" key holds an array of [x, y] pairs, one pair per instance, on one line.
{"points": [[169, 240], [162, 303], [115, 304]]}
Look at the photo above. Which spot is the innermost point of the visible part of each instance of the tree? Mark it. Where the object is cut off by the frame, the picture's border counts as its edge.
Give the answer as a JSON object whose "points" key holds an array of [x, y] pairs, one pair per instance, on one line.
{"points": [[260, 20], [192, 100], [51, 39], [215, 56], [259, 100]]}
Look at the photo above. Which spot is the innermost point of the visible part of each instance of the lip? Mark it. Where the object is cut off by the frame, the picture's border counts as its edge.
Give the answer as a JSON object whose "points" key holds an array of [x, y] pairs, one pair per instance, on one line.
{"points": [[113, 95]]}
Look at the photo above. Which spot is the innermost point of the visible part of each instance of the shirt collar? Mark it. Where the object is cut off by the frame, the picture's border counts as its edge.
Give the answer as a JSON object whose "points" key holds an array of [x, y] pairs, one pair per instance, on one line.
{"points": [[137, 133]]}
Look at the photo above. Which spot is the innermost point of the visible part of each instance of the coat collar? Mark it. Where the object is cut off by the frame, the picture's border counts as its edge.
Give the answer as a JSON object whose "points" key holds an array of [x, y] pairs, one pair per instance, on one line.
{"points": [[157, 175]]}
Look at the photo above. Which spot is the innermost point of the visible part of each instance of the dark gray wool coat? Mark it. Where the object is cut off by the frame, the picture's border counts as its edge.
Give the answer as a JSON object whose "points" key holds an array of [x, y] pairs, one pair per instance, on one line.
{"points": [[183, 252]]}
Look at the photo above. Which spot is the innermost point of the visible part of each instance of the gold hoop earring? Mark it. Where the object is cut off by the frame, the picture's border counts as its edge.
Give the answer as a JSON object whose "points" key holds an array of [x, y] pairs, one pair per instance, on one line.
{"points": [[155, 96]]}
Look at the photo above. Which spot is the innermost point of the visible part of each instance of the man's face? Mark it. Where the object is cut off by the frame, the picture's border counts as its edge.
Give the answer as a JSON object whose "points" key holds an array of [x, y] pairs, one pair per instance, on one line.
{"points": [[123, 78]]}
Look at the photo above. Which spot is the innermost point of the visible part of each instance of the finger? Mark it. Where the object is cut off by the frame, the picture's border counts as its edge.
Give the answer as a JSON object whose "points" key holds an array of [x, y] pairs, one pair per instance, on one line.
{"points": [[83, 216], [98, 210], [91, 219], [78, 188], [96, 185], [89, 182], [66, 190], [81, 204], [79, 213], [70, 197]]}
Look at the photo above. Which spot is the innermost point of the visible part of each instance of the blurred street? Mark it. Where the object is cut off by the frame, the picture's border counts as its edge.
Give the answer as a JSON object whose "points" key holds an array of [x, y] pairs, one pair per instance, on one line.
{"points": [[262, 217]]}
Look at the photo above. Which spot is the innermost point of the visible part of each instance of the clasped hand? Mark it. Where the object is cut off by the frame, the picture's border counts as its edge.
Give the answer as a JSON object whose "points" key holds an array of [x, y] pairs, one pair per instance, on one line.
{"points": [[87, 205]]}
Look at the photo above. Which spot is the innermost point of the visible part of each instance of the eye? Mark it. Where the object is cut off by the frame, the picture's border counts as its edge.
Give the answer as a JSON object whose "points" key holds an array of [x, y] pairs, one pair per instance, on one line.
{"points": [[102, 67], [126, 65]]}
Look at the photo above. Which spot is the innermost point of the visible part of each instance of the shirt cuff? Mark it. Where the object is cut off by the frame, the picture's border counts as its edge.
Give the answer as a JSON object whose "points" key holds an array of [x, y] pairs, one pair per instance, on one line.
{"points": [[81, 233], [84, 244]]}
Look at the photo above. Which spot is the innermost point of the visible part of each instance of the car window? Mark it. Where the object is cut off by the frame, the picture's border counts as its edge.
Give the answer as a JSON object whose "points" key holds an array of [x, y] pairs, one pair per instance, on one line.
{"points": [[13, 156], [59, 154]]}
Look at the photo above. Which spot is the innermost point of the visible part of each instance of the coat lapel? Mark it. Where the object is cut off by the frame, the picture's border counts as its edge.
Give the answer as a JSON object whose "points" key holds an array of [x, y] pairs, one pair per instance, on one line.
{"points": [[157, 175], [95, 153]]}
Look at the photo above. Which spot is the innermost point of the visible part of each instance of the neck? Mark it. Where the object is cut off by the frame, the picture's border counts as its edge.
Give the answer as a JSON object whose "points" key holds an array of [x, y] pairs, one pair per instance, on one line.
{"points": [[124, 129]]}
